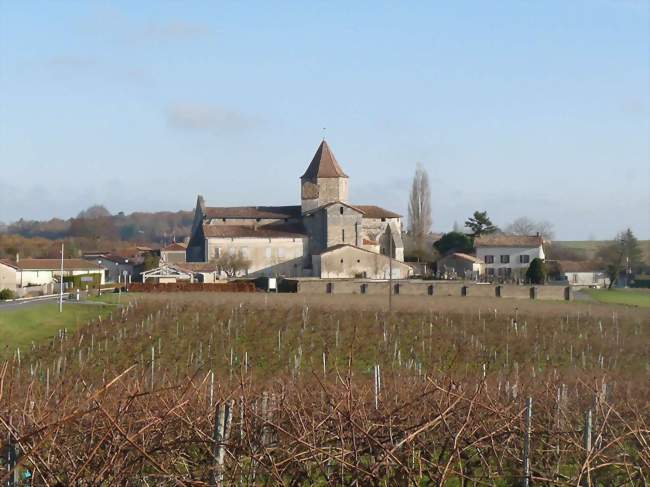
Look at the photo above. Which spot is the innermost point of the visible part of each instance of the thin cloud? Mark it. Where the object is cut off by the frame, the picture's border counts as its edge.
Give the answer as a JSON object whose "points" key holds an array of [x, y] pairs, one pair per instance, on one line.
{"points": [[71, 62], [172, 31], [214, 119]]}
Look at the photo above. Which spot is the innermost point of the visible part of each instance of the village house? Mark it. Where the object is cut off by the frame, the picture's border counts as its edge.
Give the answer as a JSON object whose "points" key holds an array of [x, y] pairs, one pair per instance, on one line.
{"points": [[117, 268], [173, 253], [458, 265], [44, 273], [508, 256], [579, 273], [324, 236]]}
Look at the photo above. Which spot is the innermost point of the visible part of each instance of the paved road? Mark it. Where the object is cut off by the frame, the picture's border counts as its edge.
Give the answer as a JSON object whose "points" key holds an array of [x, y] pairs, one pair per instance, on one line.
{"points": [[26, 304]]}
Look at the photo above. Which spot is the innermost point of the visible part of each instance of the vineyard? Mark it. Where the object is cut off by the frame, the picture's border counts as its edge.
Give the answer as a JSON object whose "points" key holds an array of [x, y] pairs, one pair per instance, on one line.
{"points": [[252, 390]]}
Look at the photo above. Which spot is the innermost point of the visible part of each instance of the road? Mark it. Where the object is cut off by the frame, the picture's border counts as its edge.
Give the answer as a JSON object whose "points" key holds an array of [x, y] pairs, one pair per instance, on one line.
{"points": [[34, 302]]}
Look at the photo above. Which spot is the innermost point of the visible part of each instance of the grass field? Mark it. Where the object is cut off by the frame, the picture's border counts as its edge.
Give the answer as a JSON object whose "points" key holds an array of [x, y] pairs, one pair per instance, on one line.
{"points": [[256, 389], [590, 247], [19, 327], [629, 297]]}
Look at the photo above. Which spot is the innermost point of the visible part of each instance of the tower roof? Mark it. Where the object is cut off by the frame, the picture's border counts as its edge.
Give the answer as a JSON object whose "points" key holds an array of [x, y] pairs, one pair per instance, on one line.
{"points": [[324, 164]]}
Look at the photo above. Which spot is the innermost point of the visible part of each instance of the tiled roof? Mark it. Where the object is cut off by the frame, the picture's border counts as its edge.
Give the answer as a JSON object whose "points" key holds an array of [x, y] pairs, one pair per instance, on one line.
{"points": [[175, 247], [254, 212], [332, 203], [54, 264], [264, 231], [372, 211], [8, 263], [503, 240], [580, 266], [367, 241], [324, 164]]}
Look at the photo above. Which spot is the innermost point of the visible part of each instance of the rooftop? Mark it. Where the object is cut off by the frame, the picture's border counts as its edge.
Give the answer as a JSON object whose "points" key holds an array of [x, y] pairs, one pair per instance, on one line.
{"points": [[263, 231], [254, 212], [52, 264], [504, 240], [324, 164]]}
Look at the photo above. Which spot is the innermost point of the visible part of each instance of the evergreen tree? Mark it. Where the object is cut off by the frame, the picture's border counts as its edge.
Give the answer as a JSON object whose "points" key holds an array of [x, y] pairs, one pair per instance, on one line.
{"points": [[454, 242], [480, 224], [536, 273]]}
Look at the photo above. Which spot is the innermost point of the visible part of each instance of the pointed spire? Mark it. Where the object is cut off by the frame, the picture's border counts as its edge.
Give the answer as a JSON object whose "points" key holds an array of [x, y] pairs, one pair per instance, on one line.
{"points": [[324, 164]]}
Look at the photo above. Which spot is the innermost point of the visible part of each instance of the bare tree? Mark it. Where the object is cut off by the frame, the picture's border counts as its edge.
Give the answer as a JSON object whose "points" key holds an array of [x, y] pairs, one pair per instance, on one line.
{"points": [[527, 226], [420, 219], [231, 264]]}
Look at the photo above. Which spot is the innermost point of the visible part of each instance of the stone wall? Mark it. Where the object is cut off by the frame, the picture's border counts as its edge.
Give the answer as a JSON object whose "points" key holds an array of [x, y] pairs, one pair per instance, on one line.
{"points": [[268, 256], [431, 288]]}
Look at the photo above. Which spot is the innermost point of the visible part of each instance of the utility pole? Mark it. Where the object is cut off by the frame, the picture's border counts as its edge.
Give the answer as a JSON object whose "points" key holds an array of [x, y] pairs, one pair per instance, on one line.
{"points": [[61, 283], [390, 271]]}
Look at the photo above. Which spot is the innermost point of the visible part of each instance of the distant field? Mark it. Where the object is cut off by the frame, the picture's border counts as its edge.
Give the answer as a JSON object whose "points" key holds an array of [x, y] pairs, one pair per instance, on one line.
{"points": [[592, 246], [628, 297]]}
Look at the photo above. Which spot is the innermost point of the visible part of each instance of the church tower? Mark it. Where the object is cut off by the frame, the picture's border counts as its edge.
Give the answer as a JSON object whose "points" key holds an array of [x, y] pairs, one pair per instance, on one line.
{"points": [[324, 181]]}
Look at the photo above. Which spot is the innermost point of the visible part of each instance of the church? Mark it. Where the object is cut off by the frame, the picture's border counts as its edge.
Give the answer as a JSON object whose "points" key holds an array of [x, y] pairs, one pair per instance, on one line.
{"points": [[325, 236]]}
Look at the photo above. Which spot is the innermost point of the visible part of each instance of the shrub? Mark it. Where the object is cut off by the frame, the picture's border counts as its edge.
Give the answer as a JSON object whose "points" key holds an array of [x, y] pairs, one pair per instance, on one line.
{"points": [[536, 273], [7, 294]]}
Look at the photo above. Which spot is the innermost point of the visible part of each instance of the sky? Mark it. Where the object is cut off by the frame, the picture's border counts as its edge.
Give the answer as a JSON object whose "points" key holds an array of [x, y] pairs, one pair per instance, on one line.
{"points": [[519, 108]]}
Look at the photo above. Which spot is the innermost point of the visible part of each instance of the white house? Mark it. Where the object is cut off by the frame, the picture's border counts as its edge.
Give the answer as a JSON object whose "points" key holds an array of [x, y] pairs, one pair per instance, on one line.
{"points": [[587, 274], [508, 256], [37, 272], [8, 275]]}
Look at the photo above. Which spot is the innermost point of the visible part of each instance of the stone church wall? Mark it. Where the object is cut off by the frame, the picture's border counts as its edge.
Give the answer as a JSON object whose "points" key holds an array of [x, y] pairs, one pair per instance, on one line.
{"points": [[268, 256]]}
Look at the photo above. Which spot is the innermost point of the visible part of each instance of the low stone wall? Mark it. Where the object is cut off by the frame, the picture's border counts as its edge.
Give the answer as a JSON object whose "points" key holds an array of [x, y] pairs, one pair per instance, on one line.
{"points": [[431, 288]]}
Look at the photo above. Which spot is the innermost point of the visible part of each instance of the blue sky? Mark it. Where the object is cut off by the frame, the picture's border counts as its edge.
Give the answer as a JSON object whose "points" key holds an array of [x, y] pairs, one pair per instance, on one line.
{"points": [[520, 108]]}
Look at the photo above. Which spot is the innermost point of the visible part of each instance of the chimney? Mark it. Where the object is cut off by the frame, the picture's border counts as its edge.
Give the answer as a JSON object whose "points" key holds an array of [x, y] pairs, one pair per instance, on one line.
{"points": [[17, 257]]}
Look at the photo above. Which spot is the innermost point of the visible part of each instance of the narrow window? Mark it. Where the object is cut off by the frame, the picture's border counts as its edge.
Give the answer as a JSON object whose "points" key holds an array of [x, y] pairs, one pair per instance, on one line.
{"points": [[341, 210], [343, 234]]}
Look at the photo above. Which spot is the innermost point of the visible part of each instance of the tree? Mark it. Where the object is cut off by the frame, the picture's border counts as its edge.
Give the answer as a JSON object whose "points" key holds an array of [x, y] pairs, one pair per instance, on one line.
{"points": [[231, 264], [150, 261], [623, 253], [94, 211], [536, 273], [420, 207], [526, 226], [480, 224], [454, 242]]}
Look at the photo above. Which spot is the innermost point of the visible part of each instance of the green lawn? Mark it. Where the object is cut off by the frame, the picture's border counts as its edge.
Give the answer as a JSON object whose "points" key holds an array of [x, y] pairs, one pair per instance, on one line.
{"points": [[20, 326], [629, 297]]}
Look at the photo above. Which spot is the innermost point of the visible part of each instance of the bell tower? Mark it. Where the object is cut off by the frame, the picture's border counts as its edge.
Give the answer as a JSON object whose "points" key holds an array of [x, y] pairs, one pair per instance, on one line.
{"points": [[324, 181]]}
